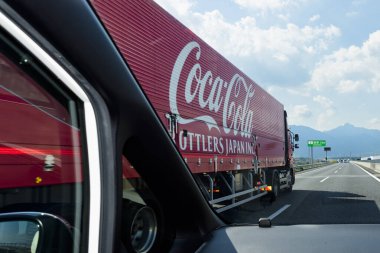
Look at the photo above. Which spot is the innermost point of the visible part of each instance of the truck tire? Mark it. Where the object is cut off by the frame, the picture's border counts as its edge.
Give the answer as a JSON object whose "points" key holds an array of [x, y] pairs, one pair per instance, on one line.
{"points": [[293, 176], [139, 228], [290, 187], [291, 181], [275, 186], [144, 227]]}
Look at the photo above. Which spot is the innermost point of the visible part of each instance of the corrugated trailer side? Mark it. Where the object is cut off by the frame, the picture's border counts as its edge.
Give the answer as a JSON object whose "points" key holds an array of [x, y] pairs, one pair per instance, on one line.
{"points": [[211, 108]]}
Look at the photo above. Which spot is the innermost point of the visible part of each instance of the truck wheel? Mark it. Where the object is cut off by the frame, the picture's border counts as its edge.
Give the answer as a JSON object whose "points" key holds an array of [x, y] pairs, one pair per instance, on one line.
{"points": [[275, 186], [146, 228], [290, 187], [139, 228], [290, 182], [293, 176]]}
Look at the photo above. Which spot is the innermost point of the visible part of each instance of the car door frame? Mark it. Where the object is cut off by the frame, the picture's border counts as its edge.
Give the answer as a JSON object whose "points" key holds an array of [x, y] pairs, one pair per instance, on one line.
{"points": [[95, 112]]}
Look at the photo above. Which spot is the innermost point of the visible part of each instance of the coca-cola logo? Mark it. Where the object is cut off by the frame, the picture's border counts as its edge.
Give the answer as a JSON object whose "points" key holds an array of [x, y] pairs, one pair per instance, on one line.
{"points": [[232, 99]]}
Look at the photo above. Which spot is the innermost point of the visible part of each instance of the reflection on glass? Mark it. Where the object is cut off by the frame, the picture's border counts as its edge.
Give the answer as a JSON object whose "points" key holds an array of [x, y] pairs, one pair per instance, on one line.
{"points": [[41, 140], [19, 236]]}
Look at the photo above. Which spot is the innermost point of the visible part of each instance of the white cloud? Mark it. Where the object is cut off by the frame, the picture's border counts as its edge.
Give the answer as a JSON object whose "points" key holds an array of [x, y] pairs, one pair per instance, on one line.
{"points": [[266, 5], [350, 69], [374, 123], [286, 91], [324, 120], [245, 39], [284, 17], [302, 111], [323, 101], [327, 112], [175, 7], [314, 18], [298, 114], [262, 4]]}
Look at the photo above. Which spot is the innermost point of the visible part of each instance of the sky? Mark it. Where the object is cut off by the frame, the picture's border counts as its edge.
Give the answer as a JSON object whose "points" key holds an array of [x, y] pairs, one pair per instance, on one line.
{"points": [[319, 58]]}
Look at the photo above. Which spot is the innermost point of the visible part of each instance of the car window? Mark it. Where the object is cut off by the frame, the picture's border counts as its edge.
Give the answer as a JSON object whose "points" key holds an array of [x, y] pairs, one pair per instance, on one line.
{"points": [[42, 164]]}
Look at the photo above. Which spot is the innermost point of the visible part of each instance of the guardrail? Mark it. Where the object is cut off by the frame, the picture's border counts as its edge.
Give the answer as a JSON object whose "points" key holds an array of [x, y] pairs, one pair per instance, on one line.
{"points": [[370, 161], [302, 167], [369, 164]]}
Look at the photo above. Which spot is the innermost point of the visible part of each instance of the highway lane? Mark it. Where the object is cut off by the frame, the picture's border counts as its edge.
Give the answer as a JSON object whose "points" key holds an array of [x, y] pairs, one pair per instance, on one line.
{"points": [[336, 194]]}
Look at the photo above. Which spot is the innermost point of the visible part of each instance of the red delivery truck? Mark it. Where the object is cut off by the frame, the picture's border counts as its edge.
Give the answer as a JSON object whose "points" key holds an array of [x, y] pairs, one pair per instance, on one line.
{"points": [[232, 134]]}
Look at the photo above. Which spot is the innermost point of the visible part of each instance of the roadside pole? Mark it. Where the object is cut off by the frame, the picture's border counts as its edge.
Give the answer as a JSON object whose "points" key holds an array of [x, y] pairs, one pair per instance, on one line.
{"points": [[326, 150]]}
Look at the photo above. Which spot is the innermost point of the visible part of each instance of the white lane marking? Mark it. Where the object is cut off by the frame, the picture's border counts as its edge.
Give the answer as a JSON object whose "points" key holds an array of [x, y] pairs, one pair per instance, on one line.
{"points": [[342, 176], [274, 215], [378, 180], [324, 179], [335, 171], [301, 177], [334, 176]]}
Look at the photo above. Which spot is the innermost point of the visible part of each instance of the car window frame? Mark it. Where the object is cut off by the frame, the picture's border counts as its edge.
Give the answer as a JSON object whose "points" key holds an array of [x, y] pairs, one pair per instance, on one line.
{"points": [[90, 128]]}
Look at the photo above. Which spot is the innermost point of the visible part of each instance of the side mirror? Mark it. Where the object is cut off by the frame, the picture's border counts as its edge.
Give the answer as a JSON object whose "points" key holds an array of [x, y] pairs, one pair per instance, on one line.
{"points": [[296, 145], [19, 236], [34, 232], [296, 137]]}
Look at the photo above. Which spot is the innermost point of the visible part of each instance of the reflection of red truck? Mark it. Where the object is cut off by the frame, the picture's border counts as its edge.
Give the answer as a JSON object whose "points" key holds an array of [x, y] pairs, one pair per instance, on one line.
{"points": [[25, 145], [220, 119]]}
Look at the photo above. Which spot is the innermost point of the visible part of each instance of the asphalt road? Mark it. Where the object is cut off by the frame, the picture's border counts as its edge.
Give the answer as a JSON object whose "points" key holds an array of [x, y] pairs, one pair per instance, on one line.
{"points": [[340, 193]]}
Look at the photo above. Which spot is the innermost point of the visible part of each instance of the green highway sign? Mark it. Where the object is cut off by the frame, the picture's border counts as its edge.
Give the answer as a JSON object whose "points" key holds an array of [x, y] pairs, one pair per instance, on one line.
{"points": [[316, 143]]}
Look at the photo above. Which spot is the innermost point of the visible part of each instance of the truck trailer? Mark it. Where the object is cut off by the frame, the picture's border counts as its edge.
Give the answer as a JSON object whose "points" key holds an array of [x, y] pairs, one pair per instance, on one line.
{"points": [[232, 134]]}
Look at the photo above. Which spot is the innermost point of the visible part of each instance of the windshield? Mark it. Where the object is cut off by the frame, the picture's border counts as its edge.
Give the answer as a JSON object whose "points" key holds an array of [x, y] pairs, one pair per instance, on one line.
{"points": [[272, 104]]}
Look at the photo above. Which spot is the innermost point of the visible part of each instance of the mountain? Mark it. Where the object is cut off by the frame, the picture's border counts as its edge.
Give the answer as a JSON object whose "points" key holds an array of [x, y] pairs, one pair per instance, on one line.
{"points": [[345, 141]]}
